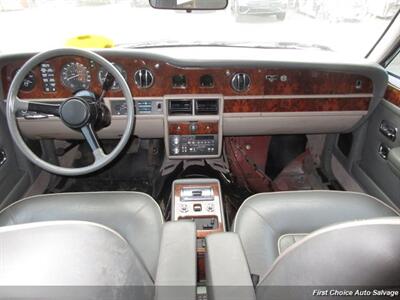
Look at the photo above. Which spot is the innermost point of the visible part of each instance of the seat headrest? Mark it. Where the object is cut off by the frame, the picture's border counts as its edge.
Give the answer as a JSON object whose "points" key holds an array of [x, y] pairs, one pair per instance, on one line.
{"points": [[360, 253], [57, 259]]}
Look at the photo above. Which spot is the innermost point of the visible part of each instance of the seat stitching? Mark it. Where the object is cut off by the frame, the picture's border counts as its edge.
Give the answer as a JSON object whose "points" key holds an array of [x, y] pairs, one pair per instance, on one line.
{"points": [[262, 217]]}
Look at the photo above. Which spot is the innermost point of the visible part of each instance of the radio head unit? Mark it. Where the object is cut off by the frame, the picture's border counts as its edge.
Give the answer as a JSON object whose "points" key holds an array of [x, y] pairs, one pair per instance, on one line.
{"points": [[193, 145]]}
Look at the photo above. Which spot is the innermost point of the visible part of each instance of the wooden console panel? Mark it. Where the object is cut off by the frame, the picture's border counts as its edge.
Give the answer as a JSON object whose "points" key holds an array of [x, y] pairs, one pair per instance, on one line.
{"points": [[183, 128]]}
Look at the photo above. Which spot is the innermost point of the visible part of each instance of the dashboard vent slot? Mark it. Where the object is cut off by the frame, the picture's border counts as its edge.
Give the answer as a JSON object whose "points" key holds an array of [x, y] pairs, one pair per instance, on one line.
{"points": [[240, 82], [144, 78], [206, 107], [180, 107]]}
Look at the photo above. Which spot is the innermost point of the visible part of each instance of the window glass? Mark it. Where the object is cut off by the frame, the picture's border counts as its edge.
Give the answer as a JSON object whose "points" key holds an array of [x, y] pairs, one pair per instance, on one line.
{"points": [[350, 27]]}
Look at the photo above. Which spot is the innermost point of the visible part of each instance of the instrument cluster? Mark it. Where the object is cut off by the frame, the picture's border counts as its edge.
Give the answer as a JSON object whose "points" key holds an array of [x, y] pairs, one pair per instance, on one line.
{"points": [[75, 76]]}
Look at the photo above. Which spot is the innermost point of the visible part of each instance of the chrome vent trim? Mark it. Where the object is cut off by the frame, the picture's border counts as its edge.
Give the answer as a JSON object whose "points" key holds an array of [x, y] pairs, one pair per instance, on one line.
{"points": [[144, 78], [240, 82]]}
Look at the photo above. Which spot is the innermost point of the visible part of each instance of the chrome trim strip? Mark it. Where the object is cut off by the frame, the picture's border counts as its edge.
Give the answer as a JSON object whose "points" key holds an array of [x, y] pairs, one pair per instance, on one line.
{"points": [[3, 157]]}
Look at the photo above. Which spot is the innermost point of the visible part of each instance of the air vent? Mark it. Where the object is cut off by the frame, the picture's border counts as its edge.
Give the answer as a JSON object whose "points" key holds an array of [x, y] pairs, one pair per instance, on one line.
{"points": [[206, 107], [180, 107], [144, 78], [240, 82]]}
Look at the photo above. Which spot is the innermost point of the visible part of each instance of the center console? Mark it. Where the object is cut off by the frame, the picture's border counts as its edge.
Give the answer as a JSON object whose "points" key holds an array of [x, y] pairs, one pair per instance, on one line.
{"points": [[194, 126], [199, 200]]}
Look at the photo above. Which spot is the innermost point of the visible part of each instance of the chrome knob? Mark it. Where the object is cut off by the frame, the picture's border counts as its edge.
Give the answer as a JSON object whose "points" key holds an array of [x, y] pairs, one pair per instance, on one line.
{"points": [[175, 150], [183, 208], [175, 140], [210, 207]]}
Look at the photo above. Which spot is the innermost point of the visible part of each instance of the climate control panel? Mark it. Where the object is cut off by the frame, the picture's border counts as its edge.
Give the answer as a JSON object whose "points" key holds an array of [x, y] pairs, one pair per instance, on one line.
{"points": [[193, 126], [182, 145]]}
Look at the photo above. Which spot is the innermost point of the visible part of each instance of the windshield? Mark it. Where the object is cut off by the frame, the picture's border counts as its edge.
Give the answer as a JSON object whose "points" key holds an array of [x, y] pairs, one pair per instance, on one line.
{"points": [[345, 26]]}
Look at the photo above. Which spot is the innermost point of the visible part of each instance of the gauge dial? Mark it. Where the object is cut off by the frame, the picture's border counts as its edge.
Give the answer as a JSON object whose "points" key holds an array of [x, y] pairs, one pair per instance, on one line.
{"points": [[103, 72], [75, 76]]}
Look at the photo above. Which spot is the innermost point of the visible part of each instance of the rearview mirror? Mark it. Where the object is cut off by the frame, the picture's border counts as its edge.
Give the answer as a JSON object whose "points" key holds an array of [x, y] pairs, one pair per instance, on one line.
{"points": [[189, 4]]}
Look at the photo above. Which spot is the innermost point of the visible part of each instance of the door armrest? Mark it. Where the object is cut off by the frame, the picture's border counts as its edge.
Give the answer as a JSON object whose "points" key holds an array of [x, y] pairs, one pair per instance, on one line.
{"points": [[394, 160]]}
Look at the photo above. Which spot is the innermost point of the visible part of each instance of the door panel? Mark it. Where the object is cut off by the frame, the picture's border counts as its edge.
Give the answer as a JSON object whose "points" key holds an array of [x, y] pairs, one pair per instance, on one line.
{"points": [[13, 180], [378, 142], [358, 152]]}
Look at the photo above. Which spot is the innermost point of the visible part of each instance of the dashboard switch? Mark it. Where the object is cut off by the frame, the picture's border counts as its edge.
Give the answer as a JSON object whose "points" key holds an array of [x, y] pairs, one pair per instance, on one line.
{"points": [[175, 150], [193, 127], [197, 207]]}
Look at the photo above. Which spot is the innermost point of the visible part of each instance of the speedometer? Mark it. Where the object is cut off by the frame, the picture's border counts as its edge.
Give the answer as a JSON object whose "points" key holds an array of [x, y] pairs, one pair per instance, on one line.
{"points": [[103, 73], [75, 76]]}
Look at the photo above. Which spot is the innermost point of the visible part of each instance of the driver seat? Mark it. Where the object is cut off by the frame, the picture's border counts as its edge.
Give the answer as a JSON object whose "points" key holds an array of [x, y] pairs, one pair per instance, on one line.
{"points": [[135, 216]]}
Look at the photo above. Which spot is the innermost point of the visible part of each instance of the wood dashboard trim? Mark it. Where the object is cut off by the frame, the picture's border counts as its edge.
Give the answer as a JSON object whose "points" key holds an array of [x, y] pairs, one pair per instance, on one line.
{"points": [[264, 80], [183, 128], [311, 96], [392, 95], [296, 105]]}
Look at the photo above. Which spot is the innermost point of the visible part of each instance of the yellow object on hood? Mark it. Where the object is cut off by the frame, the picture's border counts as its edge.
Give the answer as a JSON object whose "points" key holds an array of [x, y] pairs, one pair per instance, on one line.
{"points": [[90, 41]]}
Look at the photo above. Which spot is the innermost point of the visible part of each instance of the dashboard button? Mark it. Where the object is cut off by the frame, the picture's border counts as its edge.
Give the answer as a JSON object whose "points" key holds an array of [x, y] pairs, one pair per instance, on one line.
{"points": [[175, 150], [183, 208], [197, 207], [193, 127]]}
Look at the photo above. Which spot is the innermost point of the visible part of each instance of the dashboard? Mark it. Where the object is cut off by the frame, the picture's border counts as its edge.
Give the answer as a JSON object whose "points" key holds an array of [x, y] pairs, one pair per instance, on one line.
{"points": [[193, 104]]}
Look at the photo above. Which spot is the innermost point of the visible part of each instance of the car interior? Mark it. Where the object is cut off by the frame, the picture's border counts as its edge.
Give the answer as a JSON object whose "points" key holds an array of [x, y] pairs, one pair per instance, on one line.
{"points": [[200, 172]]}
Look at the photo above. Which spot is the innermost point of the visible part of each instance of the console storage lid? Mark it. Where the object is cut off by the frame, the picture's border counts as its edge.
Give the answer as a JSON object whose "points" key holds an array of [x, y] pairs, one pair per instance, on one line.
{"points": [[228, 275]]}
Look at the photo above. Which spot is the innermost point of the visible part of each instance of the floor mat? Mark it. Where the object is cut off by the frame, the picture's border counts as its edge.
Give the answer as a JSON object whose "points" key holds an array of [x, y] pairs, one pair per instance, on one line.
{"points": [[302, 174], [93, 184], [134, 171]]}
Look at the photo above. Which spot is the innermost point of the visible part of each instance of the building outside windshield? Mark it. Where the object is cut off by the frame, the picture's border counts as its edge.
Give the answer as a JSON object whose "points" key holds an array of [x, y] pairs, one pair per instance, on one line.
{"points": [[349, 27]]}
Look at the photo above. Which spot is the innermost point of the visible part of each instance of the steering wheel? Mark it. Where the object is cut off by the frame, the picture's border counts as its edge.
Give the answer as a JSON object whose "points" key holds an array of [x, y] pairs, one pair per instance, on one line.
{"points": [[81, 112]]}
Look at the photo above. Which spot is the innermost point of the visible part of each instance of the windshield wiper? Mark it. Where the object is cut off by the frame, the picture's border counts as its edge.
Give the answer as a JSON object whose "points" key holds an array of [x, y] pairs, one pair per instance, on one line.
{"points": [[278, 45]]}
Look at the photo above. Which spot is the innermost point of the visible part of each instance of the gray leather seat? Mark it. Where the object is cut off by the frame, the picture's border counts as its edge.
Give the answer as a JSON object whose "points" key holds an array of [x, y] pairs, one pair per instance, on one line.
{"points": [[269, 223], [135, 216], [57, 259], [332, 261], [84, 260]]}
